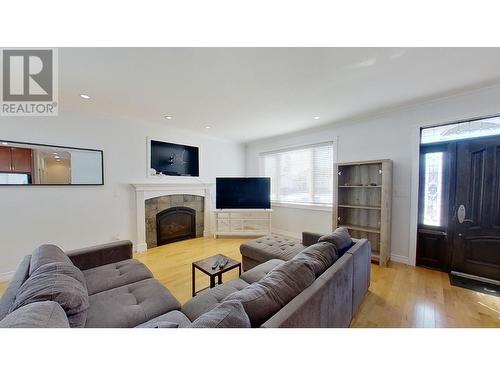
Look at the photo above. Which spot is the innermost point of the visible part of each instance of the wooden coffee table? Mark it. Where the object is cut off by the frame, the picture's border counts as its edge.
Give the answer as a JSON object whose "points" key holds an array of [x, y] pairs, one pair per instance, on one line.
{"points": [[205, 266]]}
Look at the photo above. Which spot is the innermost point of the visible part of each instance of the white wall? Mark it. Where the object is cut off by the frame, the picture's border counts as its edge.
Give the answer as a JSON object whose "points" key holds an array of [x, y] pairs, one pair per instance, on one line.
{"points": [[292, 222], [77, 216], [392, 135]]}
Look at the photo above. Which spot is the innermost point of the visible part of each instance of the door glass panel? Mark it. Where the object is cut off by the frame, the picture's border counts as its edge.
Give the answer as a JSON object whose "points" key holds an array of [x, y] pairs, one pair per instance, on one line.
{"points": [[433, 188]]}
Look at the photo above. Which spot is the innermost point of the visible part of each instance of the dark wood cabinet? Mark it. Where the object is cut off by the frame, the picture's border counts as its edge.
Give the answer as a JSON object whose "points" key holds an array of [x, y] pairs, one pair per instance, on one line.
{"points": [[15, 160], [5, 159], [21, 160]]}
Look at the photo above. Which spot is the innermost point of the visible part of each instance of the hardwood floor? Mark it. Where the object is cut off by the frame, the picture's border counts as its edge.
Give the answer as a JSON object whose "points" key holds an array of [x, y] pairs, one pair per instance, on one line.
{"points": [[406, 296], [399, 296], [171, 264]]}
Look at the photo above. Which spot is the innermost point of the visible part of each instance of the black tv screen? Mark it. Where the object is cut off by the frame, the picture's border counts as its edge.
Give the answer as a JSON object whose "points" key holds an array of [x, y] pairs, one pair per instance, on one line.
{"points": [[172, 159], [244, 192]]}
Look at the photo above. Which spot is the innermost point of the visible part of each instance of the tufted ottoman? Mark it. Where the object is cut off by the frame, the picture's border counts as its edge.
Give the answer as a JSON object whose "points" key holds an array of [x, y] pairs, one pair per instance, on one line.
{"points": [[268, 247]]}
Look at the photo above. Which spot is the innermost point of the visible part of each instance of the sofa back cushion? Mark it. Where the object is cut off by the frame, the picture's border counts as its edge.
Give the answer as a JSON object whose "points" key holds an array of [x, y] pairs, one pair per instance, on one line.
{"points": [[228, 314], [47, 254], [58, 282], [20, 276], [340, 238], [263, 299], [47, 314], [319, 256]]}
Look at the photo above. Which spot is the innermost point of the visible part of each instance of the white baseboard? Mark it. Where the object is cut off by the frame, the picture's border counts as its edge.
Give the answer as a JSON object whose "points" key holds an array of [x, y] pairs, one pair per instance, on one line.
{"points": [[6, 276], [286, 233], [140, 248], [400, 259]]}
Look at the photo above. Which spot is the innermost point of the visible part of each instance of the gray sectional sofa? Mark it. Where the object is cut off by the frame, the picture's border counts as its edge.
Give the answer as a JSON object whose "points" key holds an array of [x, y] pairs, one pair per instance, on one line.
{"points": [[331, 299], [103, 286], [117, 291]]}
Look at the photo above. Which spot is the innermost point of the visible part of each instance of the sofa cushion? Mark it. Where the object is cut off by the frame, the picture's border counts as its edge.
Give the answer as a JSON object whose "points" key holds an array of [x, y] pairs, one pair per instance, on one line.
{"points": [[209, 298], [263, 299], [168, 320], [160, 324], [58, 282], [258, 272], [115, 275], [271, 247], [47, 314], [228, 314], [47, 254], [130, 305], [319, 256], [9, 296], [62, 268], [340, 238]]}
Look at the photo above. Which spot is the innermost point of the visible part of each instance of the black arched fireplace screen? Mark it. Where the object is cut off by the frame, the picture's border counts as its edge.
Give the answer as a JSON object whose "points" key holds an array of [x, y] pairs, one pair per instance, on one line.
{"points": [[175, 224]]}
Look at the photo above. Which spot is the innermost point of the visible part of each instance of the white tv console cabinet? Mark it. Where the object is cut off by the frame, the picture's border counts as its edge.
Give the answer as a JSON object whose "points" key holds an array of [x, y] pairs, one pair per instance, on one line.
{"points": [[242, 222]]}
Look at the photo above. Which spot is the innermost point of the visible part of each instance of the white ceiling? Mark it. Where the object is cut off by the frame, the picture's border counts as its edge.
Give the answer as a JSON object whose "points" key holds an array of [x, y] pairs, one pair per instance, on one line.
{"points": [[248, 93]]}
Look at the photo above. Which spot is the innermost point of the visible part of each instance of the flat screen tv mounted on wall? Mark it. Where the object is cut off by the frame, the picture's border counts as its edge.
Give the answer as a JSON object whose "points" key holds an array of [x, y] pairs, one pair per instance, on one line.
{"points": [[243, 193], [173, 159]]}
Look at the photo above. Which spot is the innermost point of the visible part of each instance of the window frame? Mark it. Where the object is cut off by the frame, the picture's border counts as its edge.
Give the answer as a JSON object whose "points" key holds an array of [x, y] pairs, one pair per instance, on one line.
{"points": [[301, 146]]}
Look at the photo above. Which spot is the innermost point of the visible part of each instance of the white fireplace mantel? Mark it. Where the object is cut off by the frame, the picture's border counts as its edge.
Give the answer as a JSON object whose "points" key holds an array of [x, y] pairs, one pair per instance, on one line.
{"points": [[148, 190]]}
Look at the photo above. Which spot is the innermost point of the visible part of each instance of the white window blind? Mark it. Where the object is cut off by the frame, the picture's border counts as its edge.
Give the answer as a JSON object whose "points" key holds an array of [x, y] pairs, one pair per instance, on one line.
{"points": [[300, 175]]}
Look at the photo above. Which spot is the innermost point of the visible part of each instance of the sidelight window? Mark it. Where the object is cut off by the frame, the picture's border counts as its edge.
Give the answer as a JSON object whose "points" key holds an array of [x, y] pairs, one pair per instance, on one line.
{"points": [[433, 188]]}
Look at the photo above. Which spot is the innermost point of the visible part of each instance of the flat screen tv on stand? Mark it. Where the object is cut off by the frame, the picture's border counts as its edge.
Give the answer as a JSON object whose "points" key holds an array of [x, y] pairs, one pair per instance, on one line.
{"points": [[243, 206], [243, 193]]}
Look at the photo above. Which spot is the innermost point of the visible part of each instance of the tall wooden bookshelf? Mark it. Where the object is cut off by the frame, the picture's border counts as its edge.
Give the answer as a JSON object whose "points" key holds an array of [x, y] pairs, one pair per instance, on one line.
{"points": [[363, 204]]}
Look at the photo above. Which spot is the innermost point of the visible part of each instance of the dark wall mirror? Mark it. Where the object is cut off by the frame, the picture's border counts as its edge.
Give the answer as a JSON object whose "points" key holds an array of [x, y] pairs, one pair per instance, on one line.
{"points": [[37, 164]]}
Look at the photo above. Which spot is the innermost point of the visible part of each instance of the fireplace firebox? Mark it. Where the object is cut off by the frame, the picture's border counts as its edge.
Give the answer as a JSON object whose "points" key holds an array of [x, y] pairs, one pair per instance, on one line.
{"points": [[175, 224]]}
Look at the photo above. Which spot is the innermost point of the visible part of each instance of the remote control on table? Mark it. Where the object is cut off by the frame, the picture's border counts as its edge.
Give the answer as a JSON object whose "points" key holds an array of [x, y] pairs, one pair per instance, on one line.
{"points": [[215, 265], [223, 263]]}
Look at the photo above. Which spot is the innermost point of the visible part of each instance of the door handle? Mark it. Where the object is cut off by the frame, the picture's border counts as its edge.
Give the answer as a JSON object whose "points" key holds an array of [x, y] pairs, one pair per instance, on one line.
{"points": [[461, 215]]}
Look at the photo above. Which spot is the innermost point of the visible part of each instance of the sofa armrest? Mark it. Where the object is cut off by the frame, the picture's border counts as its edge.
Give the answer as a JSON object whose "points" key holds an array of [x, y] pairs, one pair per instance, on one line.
{"points": [[309, 238], [326, 303], [99, 255], [361, 252]]}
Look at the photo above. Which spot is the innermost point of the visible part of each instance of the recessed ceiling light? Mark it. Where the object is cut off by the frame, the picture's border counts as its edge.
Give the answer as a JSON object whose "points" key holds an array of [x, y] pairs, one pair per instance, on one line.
{"points": [[84, 96], [207, 127], [5, 143], [169, 117], [57, 157], [316, 117], [54, 153]]}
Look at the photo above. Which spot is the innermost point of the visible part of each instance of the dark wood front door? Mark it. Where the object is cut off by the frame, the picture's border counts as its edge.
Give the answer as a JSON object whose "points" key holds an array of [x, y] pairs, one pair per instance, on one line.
{"points": [[476, 216]]}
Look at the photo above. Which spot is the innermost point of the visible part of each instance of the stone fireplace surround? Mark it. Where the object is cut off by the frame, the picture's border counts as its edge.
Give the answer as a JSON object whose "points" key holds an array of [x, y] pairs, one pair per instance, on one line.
{"points": [[146, 191]]}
